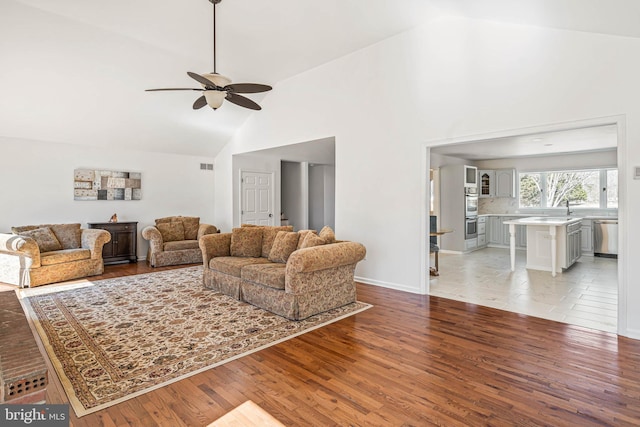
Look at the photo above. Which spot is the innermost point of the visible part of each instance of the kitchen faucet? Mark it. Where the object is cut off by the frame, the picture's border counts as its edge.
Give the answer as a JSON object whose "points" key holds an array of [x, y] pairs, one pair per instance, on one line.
{"points": [[568, 211]]}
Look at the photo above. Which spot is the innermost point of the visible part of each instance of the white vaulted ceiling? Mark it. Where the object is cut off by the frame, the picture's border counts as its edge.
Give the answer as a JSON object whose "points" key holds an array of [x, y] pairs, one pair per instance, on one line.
{"points": [[75, 71]]}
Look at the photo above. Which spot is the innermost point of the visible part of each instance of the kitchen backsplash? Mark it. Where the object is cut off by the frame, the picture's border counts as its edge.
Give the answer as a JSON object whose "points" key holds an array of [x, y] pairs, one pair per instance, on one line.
{"points": [[509, 205], [497, 205]]}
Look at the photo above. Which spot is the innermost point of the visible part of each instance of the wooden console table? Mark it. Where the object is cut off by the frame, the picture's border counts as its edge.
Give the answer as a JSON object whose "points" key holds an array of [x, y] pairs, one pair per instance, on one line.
{"points": [[123, 244]]}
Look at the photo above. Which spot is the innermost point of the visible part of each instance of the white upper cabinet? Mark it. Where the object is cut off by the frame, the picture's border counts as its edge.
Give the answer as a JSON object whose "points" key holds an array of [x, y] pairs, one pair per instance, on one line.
{"points": [[497, 183]]}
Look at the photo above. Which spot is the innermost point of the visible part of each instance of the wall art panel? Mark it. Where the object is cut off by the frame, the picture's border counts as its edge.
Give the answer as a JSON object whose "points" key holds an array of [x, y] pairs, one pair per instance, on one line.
{"points": [[91, 184]]}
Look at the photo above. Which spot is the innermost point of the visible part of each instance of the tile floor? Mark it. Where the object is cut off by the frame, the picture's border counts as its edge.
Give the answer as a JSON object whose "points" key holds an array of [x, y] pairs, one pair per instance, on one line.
{"points": [[586, 294]]}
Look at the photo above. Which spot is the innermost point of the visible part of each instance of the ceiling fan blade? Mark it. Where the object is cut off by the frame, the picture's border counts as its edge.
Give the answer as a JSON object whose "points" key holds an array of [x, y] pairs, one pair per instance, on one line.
{"points": [[248, 88], [200, 102], [202, 80], [173, 88], [242, 101]]}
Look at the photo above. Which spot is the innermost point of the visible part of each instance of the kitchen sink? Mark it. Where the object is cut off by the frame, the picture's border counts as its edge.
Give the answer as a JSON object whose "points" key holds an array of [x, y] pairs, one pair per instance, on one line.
{"points": [[557, 218]]}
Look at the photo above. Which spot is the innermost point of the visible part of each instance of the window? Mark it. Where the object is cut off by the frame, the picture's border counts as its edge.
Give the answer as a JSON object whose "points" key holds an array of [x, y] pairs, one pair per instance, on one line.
{"points": [[594, 188]]}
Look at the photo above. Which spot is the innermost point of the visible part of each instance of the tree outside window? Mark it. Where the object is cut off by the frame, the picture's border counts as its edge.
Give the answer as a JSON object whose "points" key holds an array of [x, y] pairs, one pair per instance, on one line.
{"points": [[530, 190]]}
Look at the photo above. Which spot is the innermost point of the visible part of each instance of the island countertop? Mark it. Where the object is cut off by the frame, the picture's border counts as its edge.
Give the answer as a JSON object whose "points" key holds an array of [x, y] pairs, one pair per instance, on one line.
{"points": [[544, 220]]}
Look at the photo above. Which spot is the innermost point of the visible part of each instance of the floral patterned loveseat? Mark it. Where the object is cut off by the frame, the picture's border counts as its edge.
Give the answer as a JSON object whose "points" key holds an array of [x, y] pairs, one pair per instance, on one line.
{"points": [[174, 240], [292, 274], [41, 254]]}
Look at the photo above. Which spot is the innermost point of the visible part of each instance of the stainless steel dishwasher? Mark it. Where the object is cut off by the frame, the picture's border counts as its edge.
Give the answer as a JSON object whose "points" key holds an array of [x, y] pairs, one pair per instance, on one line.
{"points": [[605, 238]]}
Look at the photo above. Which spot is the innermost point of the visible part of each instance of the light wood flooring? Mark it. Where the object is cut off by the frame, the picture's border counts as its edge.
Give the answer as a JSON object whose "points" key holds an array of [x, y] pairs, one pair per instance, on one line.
{"points": [[586, 294], [411, 360]]}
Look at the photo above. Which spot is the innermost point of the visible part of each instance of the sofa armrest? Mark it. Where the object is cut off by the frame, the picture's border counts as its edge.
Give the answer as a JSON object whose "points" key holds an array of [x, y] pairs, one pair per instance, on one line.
{"points": [[94, 239], [152, 234], [205, 229], [214, 245], [326, 256], [17, 245]]}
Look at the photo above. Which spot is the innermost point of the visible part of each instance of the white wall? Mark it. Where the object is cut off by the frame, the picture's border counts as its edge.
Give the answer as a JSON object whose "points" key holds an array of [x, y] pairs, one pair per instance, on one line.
{"points": [[36, 185], [448, 79]]}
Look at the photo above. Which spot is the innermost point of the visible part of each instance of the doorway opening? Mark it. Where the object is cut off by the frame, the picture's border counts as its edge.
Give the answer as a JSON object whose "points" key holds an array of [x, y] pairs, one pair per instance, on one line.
{"points": [[594, 286], [295, 184]]}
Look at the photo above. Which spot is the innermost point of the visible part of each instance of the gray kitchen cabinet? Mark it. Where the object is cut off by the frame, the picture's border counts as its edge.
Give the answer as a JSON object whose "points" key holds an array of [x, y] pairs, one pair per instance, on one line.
{"points": [[505, 235], [521, 236], [574, 244], [498, 232], [497, 183], [586, 240], [505, 183], [521, 233], [482, 231], [487, 183], [495, 230]]}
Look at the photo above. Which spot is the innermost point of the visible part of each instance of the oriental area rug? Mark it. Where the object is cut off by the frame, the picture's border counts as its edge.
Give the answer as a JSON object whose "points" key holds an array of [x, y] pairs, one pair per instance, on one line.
{"points": [[115, 339]]}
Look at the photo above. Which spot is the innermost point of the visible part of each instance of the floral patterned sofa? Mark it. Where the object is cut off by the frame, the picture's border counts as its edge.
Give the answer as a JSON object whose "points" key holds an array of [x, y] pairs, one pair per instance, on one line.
{"points": [[41, 254], [292, 274], [174, 240]]}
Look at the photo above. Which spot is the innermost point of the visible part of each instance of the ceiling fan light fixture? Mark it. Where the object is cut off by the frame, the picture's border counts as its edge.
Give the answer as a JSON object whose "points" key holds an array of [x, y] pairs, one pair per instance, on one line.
{"points": [[216, 88], [217, 79], [215, 98]]}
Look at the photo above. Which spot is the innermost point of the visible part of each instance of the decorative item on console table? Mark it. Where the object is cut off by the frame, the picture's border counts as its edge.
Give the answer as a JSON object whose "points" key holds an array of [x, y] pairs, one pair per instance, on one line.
{"points": [[123, 244]]}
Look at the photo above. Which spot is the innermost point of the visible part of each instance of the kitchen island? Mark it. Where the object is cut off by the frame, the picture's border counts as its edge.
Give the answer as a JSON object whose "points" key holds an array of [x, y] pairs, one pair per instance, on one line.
{"points": [[553, 243]]}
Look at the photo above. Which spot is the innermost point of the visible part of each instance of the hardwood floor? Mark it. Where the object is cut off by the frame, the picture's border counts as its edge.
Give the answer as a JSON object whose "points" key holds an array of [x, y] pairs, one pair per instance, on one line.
{"points": [[410, 360]]}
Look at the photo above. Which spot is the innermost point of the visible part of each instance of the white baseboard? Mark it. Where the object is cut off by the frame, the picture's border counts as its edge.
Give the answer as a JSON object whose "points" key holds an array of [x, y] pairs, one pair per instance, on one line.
{"points": [[631, 333], [395, 286]]}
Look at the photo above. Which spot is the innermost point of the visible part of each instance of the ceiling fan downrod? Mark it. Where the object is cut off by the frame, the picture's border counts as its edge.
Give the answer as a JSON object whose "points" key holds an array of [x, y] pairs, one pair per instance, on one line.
{"points": [[214, 2], [216, 88]]}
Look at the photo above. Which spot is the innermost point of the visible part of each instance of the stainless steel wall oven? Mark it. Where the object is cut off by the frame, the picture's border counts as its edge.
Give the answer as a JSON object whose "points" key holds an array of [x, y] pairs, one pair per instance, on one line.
{"points": [[470, 202], [470, 213], [471, 228]]}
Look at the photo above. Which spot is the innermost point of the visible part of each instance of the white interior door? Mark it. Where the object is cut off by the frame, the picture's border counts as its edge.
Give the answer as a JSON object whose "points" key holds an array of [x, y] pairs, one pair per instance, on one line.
{"points": [[257, 198]]}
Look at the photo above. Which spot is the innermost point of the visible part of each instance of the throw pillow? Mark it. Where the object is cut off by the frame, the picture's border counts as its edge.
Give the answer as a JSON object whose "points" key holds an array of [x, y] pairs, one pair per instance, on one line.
{"points": [[23, 228], [69, 235], [269, 233], [191, 225], [311, 240], [168, 219], [327, 234], [284, 244], [171, 231], [303, 234], [246, 242], [45, 239]]}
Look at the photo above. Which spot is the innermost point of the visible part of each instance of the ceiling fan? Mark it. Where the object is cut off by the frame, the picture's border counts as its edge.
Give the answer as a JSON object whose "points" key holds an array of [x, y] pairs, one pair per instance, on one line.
{"points": [[216, 87]]}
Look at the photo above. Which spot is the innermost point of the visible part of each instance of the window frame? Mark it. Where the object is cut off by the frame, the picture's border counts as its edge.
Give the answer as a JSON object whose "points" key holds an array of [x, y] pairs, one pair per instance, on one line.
{"points": [[602, 182]]}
